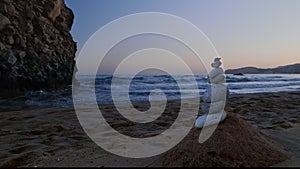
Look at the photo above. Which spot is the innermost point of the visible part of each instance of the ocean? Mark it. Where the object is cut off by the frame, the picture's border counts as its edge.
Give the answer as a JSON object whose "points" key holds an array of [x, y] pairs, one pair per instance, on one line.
{"points": [[161, 87]]}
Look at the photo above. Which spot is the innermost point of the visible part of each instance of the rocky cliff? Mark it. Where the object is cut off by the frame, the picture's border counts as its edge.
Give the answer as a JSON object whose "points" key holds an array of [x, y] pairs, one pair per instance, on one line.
{"points": [[36, 48]]}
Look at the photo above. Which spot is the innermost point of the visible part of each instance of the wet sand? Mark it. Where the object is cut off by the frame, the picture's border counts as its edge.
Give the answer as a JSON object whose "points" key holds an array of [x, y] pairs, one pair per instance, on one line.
{"points": [[290, 138], [53, 137]]}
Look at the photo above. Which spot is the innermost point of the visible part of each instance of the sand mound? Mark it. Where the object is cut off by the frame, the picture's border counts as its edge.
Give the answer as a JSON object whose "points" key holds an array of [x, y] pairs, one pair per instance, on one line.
{"points": [[235, 143]]}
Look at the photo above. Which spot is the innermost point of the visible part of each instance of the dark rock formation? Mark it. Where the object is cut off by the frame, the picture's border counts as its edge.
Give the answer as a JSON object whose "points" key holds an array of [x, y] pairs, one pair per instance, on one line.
{"points": [[288, 69], [36, 48]]}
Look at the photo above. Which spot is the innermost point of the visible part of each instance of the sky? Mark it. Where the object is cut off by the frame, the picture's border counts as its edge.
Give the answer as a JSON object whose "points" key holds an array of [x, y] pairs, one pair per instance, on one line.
{"points": [[245, 33]]}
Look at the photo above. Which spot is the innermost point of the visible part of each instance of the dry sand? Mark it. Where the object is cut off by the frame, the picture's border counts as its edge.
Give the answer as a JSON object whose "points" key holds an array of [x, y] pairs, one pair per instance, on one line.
{"points": [[235, 143], [53, 137]]}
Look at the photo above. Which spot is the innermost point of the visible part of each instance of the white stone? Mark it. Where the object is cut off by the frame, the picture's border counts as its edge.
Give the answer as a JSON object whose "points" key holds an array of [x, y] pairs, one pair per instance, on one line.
{"points": [[215, 92], [218, 79], [216, 64], [217, 59], [210, 119], [212, 108], [215, 72]]}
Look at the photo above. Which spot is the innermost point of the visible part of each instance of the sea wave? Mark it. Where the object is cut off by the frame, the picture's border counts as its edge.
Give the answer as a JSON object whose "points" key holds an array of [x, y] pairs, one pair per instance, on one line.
{"points": [[141, 86]]}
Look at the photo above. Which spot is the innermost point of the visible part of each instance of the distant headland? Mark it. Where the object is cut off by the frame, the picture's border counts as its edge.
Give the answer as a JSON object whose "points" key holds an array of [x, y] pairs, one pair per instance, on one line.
{"points": [[287, 69]]}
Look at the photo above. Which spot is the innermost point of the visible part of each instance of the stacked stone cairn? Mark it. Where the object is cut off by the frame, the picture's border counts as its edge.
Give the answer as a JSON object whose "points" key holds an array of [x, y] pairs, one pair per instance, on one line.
{"points": [[214, 98]]}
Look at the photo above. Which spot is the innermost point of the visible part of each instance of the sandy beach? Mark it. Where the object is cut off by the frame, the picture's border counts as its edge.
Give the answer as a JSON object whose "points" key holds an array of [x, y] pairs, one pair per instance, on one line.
{"points": [[54, 137], [135, 72]]}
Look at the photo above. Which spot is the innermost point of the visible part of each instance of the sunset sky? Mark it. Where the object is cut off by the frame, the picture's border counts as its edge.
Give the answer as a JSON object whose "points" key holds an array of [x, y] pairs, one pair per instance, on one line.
{"points": [[246, 33]]}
